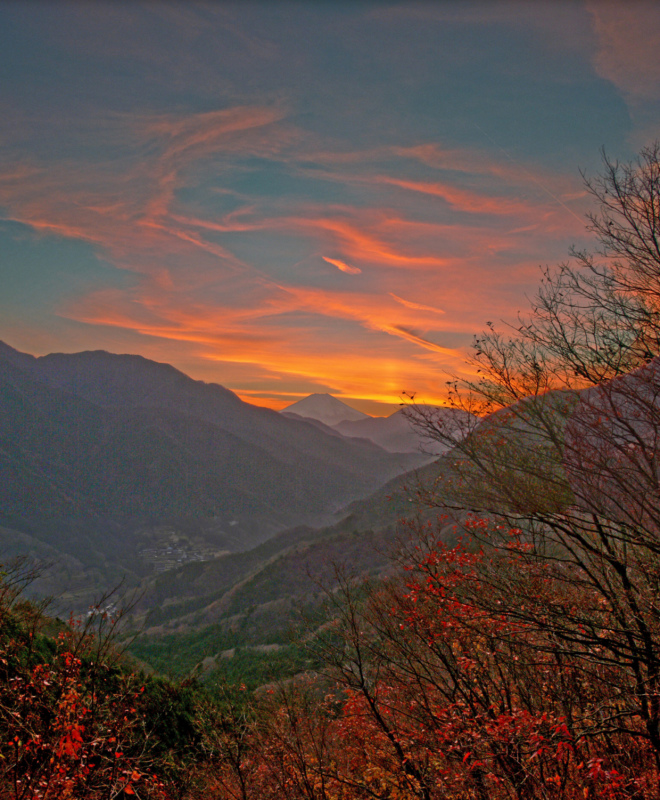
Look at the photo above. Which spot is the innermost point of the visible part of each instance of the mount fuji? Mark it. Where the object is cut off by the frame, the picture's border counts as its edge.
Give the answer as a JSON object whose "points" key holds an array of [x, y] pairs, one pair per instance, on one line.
{"points": [[326, 409], [394, 434]]}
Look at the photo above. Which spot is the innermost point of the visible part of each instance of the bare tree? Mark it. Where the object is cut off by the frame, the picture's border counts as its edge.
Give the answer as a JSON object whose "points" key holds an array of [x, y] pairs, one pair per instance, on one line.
{"points": [[567, 444]]}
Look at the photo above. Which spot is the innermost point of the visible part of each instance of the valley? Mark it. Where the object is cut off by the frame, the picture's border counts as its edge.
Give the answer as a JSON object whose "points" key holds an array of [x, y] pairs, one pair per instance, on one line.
{"points": [[115, 468]]}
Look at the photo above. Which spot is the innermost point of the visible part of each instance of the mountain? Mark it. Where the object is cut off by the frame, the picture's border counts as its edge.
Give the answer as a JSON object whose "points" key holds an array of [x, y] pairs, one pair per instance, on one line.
{"points": [[394, 433], [325, 408], [250, 600], [115, 461]]}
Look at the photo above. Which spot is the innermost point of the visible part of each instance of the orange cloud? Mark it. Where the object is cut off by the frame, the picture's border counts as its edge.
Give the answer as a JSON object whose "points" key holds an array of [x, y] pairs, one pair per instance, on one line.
{"points": [[254, 327], [343, 266], [126, 208], [270, 354], [417, 306], [461, 199], [467, 161], [410, 336], [551, 193], [360, 243]]}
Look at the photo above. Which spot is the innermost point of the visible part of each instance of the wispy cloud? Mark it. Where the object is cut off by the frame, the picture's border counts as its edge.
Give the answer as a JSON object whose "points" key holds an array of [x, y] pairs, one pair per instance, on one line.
{"points": [[411, 336], [416, 306], [461, 199], [222, 219], [195, 289], [342, 265]]}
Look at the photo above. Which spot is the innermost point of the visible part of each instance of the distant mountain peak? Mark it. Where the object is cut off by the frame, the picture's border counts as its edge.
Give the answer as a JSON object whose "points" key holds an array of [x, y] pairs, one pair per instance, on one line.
{"points": [[325, 408]]}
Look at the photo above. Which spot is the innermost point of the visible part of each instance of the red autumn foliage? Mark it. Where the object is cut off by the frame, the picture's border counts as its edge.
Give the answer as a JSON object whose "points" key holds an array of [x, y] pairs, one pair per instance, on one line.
{"points": [[446, 688], [71, 722]]}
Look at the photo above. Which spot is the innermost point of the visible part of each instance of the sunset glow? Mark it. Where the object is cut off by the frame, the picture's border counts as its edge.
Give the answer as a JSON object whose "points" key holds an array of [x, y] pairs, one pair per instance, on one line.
{"points": [[296, 198]]}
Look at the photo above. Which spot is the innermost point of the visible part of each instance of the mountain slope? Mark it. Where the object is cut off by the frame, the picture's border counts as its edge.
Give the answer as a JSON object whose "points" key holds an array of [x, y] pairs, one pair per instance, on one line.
{"points": [[250, 599], [395, 433], [102, 456], [197, 594], [127, 381]]}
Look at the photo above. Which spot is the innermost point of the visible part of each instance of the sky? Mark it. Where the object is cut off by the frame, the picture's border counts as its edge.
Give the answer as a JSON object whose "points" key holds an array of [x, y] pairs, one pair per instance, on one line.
{"points": [[297, 197]]}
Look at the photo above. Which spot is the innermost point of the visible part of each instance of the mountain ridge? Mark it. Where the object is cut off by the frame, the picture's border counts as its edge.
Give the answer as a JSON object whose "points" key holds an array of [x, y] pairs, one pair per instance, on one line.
{"points": [[102, 455]]}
